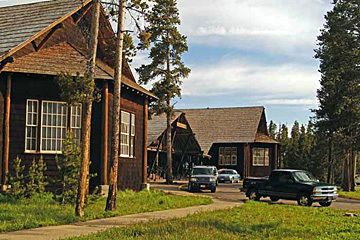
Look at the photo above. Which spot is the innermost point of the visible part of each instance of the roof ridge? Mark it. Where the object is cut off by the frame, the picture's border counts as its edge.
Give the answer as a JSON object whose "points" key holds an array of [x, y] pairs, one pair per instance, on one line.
{"points": [[38, 2], [218, 108]]}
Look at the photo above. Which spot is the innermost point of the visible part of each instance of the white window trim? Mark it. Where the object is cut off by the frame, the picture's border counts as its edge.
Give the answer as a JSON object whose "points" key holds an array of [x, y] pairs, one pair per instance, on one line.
{"points": [[80, 118], [129, 137], [264, 164], [26, 125], [224, 155], [41, 138]]}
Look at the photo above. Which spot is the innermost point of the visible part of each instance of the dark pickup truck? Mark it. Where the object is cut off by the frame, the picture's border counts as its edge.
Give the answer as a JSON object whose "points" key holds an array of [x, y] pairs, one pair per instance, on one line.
{"points": [[291, 185]]}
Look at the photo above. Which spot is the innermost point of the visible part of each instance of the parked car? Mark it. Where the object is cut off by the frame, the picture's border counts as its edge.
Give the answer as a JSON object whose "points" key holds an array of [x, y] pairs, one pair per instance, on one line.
{"points": [[203, 177], [228, 175], [357, 180], [292, 185]]}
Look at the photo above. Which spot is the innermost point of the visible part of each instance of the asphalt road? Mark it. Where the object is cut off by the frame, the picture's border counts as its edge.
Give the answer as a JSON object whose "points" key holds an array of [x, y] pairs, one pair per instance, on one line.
{"points": [[231, 192]]}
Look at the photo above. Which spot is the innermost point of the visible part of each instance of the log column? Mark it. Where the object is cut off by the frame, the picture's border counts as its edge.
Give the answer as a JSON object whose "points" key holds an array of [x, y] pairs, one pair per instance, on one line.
{"points": [[246, 160], [7, 131], [145, 157], [105, 134]]}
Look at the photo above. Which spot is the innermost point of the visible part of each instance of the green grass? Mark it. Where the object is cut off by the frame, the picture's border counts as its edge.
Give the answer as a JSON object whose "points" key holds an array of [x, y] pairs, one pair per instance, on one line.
{"points": [[254, 220], [351, 195], [21, 214]]}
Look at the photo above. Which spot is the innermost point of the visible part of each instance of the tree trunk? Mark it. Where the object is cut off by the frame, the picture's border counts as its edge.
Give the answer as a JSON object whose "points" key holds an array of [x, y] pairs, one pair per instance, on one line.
{"points": [[169, 176], [353, 169], [329, 176], [86, 127], [115, 141], [346, 173]]}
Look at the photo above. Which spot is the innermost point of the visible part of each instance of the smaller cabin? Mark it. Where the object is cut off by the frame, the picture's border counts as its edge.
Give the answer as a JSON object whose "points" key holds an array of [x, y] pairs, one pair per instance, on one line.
{"points": [[235, 138]]}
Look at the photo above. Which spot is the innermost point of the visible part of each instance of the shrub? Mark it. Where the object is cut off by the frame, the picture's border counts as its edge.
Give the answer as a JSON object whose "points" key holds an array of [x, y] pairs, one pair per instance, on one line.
{"points": [[69, 167], [17, 180], [36, 179]]}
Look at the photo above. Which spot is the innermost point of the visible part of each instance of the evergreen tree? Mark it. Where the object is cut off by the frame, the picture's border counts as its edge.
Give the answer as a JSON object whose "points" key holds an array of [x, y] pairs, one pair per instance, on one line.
{"points": [[166, 67], [284, 140], [339, 94], [272, 129]]}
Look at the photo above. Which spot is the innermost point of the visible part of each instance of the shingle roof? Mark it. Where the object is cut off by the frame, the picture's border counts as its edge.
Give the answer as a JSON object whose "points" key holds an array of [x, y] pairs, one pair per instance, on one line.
{"points": [[21, 22], [221, 125], [157, 125]]}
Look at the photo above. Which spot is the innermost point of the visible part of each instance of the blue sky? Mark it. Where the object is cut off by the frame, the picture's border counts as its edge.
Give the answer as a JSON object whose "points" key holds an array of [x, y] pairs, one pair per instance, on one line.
{"points": [[250, 53]]}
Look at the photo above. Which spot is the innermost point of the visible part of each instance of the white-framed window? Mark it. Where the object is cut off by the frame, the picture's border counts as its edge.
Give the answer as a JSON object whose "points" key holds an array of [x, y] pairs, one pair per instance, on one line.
{"points": [[32, 112], [127, 138], [53, 126], [260, 157], [228, 156], [132, 137], [75, 122]]}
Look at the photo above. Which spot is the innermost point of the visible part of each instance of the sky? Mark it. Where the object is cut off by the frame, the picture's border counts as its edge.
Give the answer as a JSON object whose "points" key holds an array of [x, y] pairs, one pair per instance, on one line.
{"points": [[249, 53]]}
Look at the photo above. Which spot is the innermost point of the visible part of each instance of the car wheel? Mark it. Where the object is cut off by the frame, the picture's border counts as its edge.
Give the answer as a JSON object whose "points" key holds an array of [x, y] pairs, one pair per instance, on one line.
{"points": [[274, 199], [213, 190], [304, 200], [253, 195], [325, 204], [190, 188]]}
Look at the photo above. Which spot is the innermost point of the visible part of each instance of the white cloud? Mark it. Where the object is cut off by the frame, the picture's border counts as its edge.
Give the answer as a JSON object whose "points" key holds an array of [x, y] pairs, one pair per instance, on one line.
{"points": [[253, 24], [286, 84]]}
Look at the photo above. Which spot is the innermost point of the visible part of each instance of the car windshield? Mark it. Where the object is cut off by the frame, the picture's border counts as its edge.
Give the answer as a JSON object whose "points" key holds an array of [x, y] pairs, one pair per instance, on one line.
{"points": [[227, 172], [202, 171], [303, 176]]}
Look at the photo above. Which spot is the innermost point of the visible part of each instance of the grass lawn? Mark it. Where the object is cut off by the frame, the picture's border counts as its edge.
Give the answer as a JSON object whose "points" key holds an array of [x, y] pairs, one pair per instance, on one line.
{"points": [[16, 215], [351, 195], [254, 220]]}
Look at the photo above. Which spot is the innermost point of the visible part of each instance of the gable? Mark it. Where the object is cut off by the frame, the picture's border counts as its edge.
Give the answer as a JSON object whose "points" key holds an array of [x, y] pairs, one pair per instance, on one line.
{"points": [[53, 60], [21, 24], [224, 125]]}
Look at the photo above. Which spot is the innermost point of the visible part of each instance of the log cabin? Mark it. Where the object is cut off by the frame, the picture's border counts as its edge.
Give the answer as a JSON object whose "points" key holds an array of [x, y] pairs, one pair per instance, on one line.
{"points": [[37, 42], [234, 138]]}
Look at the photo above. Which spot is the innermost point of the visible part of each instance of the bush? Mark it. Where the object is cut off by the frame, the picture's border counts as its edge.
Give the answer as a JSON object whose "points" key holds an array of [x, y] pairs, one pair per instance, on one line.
{"points": [[27, 184], [69, 167], [17, 180]]}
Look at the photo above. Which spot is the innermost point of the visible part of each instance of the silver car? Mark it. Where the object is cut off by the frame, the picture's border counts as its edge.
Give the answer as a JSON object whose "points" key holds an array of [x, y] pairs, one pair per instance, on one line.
{"points": [[228, 175]]}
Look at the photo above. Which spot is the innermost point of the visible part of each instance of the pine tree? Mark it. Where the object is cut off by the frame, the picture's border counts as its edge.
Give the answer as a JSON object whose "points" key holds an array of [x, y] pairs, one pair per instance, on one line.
{"points": [[284, 140], [272, 129], [166, 67], [339, 94]]}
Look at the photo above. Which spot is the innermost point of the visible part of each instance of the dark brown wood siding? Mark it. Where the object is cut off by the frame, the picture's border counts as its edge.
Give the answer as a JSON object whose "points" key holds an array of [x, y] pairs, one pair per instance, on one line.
{"points": [[255, 171], [214, 153], [2, 112], [258, 171], [43, 87]]}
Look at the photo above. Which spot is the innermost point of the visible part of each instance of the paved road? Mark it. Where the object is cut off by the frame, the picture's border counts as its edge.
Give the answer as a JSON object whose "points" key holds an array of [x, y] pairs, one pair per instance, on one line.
{"points": [[231, 192]]}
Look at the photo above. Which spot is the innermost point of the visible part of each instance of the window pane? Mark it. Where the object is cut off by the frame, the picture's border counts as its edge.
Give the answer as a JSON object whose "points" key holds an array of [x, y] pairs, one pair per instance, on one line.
{"points": [[53, 126], [31, 125], [125, 134]]}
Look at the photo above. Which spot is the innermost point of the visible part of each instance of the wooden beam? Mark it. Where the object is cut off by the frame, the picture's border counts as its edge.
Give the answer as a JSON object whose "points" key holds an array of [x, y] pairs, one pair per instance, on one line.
{"points": [[181, 125], [7, 131], [105, 134], [146, 116], [81, 15], [46, 38], [5, 61]]}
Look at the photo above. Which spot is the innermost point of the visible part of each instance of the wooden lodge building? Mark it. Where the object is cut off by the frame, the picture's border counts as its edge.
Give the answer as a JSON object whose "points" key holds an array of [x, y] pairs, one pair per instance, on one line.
{"points": [[235, 138], [37, 42]]}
